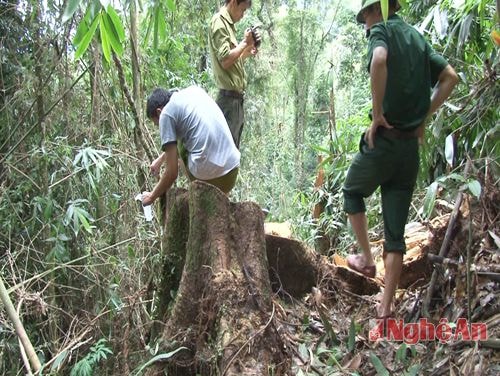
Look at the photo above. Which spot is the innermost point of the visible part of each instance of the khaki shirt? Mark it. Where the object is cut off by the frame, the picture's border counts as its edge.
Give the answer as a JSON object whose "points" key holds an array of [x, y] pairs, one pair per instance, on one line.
{"points": [[222, 39]]}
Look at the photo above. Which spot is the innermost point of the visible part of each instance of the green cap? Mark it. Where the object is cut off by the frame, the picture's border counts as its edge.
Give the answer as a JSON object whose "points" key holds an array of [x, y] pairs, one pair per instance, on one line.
{"points": [[365, 4]]}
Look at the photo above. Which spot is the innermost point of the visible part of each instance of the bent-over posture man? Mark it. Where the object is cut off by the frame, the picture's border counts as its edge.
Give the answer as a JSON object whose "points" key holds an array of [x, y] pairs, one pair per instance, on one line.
{"points": [[403, 70], [191, 121], [228, 55]]}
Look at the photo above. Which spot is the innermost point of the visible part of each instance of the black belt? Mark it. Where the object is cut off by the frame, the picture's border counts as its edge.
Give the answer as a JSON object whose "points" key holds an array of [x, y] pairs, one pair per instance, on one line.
{"points": [[231, 93], [397, 134]]}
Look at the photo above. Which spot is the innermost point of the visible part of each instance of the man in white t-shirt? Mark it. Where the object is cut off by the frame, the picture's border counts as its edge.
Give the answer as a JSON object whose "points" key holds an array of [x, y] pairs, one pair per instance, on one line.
{"points": [[192, 126]]}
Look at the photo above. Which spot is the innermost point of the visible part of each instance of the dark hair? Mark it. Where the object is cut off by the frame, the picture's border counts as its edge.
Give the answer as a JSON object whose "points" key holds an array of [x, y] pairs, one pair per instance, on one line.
{"points": [[239, 2], [158, 99]]}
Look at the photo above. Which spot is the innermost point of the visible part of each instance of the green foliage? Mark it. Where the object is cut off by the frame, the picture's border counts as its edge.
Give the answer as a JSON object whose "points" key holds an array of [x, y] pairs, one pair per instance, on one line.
{"points": [[87, 365], [379, 366], [111, 30], [77, 217], [157, 358], [451, 183], [71, 158]]}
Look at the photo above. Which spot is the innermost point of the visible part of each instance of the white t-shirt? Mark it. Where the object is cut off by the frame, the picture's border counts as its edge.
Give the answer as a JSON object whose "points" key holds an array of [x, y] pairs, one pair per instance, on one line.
{"points": [[193, 117]]}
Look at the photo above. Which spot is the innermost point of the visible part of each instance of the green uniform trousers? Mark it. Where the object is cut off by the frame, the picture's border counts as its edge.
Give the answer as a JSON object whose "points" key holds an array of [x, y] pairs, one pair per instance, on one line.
{"points": [[232, 108], [393, 166]]}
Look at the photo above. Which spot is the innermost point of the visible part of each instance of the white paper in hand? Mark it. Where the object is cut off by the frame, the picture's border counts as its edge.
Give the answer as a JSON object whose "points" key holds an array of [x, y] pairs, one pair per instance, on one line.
{"points": [[148, 213]]}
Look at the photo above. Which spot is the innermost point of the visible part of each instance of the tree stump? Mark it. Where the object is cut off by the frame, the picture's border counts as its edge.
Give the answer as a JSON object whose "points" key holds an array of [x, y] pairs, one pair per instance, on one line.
{"points": [[223, 312]]}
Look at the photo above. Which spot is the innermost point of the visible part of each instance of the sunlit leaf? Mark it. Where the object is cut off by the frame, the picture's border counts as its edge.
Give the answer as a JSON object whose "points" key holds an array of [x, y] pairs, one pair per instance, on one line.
{"points": [[106, 46], [82, 29], [171, 5], [440, 22], [465, 29], [84, 44], [449, 149], [71, 8], [117, 23], [426, 22], [475, 188], [157, 17], [157, 358], [112, 34], [384, 5], [430, 199]]}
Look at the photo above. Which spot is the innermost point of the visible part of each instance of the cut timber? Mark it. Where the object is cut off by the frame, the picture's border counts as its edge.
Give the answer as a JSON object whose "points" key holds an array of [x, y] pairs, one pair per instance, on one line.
{"points": [[281, 229], [416, 267], [292, 268], [295, 269], [223, 312]]}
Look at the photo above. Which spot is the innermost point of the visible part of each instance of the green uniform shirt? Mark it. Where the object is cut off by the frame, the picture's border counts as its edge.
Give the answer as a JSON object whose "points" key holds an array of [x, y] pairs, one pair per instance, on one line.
{"points": [[222, 39], [413, 68]]}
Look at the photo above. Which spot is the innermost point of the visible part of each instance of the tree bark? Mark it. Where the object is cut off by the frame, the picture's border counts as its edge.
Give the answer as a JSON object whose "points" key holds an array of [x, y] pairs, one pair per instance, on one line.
{"points": [[223, 312], [224, 269]]}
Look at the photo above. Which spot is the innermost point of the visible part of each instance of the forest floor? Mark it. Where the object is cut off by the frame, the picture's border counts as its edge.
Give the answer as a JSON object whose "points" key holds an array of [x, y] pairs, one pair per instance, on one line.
{"points": [[332, 330]]}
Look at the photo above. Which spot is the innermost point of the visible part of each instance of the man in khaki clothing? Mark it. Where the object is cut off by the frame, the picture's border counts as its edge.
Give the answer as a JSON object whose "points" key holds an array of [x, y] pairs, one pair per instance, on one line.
{"points": [[227, 61]]}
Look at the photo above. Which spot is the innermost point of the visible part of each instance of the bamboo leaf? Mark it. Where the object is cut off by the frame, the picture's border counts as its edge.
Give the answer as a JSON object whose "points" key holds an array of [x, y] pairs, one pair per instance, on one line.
{"points": [[71, 8], [155, 27], [157, 358], [449, 149], [84, 44], [106, 48], [117, 23], [82, 29], [379, 367], [401, 353], [171, 5], [59, 360], [162, 27], [112, 36], [430, 199], [425, 22], [465, 25], [475, 188], [384, 6], [351, 342]]}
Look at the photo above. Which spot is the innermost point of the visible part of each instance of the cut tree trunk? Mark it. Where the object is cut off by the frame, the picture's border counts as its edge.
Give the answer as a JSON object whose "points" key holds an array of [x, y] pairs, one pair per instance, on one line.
{"points": [[225, 268], [223, 312]]}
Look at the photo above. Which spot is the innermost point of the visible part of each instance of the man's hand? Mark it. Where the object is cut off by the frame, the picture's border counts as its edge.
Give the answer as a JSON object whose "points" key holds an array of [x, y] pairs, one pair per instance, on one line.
{"points": [[249, 48], [156, 164], [147, 198], [372, 131]]}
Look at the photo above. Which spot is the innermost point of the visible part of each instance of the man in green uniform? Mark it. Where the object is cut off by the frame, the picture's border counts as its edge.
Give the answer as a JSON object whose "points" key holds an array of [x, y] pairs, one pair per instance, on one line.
{"points": [[227, 56], [403, 71]]}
